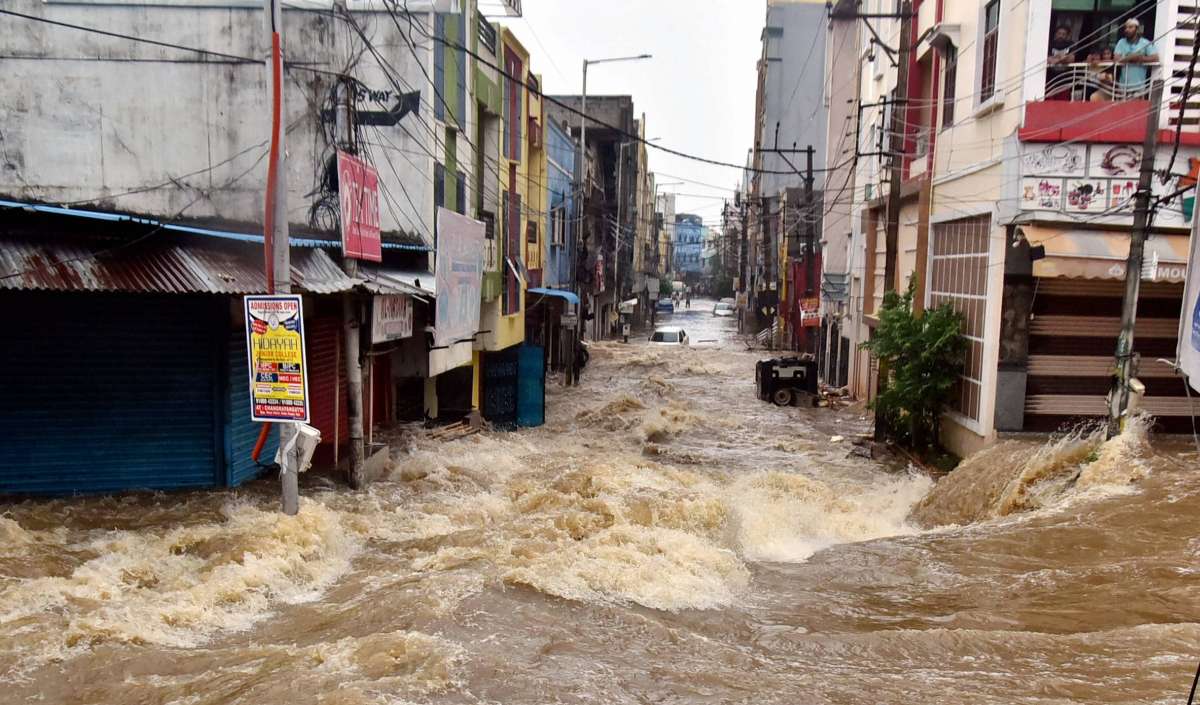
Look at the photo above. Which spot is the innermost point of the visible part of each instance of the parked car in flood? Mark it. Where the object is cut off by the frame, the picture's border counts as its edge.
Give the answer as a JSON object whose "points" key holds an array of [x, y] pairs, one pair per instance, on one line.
{"points": [[723, 309], [664, 305], [669, 336]]}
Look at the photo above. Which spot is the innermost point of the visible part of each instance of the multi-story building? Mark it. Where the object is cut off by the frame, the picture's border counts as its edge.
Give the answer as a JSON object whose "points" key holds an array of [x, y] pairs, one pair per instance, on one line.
{"points": [[441, 129], [607, 201], [1016, 203], [790, 115], [690, 234]]}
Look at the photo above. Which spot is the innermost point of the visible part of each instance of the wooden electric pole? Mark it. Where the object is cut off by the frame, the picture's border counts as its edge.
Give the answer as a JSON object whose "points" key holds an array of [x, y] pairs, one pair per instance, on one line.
{"points": [[892, 229], [1118, 399]]}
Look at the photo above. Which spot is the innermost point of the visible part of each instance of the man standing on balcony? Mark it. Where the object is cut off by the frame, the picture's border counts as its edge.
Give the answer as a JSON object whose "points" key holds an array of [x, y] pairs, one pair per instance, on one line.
{"points": [[1134, 52], [1058, 65]]}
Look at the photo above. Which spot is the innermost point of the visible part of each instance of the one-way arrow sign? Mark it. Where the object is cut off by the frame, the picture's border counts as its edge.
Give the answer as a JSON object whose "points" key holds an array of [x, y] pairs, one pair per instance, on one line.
{"points": [[408, 103]]}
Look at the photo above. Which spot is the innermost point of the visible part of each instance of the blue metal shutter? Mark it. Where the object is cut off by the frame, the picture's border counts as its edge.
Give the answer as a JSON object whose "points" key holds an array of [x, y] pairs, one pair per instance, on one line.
{"points": [[109, 392], [240, 432], [531, 386]]}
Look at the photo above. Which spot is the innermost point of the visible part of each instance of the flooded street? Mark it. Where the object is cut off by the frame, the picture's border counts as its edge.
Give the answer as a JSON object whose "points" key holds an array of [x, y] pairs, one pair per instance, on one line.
{"points": [[665, 538]]}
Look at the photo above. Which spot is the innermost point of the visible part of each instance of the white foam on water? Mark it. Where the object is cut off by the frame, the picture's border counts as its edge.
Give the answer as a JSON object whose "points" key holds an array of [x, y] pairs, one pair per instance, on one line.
{"points": [[787, 517]]}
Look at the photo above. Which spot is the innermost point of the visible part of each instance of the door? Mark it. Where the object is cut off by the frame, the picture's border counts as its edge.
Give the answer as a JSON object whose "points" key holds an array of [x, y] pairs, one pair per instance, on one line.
{"points": [[531, 386]]}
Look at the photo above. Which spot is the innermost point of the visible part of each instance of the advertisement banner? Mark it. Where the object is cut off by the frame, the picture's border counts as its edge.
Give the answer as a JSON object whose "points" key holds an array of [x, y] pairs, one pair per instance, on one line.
{"points": [[391, 317], [1188, 353], [358, 195], [275, 351], [459, 274]]}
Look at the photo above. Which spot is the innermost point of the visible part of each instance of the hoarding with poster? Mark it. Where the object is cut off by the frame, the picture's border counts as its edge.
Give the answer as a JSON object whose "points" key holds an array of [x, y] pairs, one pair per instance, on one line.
{"points": [[275, 351], [458, 275], [1189, 317], [358, 196]]}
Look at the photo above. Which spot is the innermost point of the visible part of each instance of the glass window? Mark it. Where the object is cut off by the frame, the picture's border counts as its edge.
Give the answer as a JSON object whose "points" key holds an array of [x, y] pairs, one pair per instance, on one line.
{"points": [[991, 40], [950, 79]]}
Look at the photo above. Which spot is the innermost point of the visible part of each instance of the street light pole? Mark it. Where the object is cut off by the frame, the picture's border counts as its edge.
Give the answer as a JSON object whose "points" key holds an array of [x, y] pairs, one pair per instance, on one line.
{"points": [[583, 131]]}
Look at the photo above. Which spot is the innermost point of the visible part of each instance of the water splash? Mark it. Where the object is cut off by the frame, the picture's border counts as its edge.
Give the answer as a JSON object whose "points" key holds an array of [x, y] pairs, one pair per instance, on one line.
{"points": [[1011, 477]]}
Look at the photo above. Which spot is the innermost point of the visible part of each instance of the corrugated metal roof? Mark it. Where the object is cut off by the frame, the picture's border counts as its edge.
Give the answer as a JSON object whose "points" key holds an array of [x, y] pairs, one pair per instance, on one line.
{"points": [[382, 280], [412, 242], [173, 268]]}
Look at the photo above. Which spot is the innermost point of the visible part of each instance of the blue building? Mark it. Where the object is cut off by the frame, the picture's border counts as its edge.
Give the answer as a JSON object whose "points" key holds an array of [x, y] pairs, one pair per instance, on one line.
{"points": [[560, 228], [689, 244]]}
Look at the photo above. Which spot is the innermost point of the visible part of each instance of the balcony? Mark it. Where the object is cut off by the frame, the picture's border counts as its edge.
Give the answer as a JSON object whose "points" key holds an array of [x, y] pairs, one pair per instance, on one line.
{"points": [[1090, 102]]}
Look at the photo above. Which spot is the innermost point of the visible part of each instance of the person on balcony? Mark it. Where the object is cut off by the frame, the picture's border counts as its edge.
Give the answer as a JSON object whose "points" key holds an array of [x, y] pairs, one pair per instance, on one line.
{"points": [[1058, 65], [1100, 78], [1134, 52]]}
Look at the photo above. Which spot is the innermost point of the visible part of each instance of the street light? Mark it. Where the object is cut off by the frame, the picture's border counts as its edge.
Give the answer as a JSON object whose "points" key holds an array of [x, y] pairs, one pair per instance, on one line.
{"points": [[583, 143]]}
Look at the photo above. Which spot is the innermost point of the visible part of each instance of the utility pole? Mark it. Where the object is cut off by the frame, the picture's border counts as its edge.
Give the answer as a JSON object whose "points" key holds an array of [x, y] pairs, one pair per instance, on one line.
{"points": [[1118, 398], [275, 232], [892, 232], [620, 228], [352, 352]]}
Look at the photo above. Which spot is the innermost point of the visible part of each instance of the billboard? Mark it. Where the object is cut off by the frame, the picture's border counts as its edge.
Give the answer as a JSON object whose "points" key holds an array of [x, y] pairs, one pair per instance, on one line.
{"points": [[275, 351], [459, 274], [358, 197], [391, 317], [1188, 353]]}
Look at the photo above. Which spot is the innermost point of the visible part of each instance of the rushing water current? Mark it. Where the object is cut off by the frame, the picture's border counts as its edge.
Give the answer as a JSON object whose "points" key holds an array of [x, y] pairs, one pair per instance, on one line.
{"points": [[664, 538]]}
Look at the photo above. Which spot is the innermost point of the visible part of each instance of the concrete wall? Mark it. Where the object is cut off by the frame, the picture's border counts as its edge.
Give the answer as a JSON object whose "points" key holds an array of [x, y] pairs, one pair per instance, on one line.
{"points": [[109, 123]]}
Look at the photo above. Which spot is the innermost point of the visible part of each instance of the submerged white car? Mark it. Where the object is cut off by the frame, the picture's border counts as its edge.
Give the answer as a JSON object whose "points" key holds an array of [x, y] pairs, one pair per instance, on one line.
{"points": [[669, 336], [723, 309]]}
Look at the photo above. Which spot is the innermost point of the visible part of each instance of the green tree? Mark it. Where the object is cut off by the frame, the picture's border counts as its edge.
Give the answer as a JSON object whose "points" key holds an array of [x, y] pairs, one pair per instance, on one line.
{"points": [[923, 354]]}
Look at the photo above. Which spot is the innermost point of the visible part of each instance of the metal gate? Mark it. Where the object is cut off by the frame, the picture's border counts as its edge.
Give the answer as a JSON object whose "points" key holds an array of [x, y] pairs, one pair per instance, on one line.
{"points": [[500, 374], [531, 386]]}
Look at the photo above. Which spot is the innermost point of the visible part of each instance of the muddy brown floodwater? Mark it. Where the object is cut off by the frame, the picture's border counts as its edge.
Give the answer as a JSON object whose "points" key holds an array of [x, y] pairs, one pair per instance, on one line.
{"points": [[665, 538]]}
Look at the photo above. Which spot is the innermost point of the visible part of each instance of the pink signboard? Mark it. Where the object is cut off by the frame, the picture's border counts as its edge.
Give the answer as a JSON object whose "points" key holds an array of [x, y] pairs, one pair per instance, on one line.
{"points": [[358, 192]]}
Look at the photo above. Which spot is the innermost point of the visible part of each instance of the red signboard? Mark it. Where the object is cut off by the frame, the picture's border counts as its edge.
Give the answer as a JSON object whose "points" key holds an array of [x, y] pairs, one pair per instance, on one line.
{"points": [[810, 314], [358, 191]]}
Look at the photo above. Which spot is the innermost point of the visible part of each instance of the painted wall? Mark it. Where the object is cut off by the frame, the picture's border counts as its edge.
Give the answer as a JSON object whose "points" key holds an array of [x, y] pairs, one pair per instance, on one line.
{"points": [[120, 132], [561, 152], [794, 90]]}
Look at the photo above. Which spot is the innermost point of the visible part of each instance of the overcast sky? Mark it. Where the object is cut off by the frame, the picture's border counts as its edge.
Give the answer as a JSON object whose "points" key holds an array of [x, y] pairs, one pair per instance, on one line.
{"points": [[697, 92]]}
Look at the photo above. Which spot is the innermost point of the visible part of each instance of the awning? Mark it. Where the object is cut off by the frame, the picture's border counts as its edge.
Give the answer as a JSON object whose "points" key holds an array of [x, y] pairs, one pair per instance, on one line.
{"points": [[1101, 254], [382, 280], [570, 296]]}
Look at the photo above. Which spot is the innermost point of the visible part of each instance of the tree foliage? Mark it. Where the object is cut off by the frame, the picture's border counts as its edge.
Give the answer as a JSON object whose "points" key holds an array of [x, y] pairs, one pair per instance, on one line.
{"points": [[923, 356]]}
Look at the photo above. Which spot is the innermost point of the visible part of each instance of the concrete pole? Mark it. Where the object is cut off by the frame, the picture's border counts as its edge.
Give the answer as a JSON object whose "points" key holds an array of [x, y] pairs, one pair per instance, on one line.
{"points": [[280, 280], [620, 230], [352, 354], [1142, 213]]}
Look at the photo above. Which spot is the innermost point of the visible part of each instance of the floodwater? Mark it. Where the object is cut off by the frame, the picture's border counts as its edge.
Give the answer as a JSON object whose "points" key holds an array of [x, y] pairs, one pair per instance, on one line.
{"points": [[665, 538]]}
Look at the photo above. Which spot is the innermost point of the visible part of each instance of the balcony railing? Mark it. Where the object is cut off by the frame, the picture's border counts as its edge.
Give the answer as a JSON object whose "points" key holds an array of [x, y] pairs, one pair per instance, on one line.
{"points": [[1097, 81], [487, 33]]}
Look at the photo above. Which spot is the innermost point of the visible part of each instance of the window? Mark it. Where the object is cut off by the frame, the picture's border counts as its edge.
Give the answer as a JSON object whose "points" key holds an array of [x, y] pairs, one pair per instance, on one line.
{"points": [[439, 185], [950, 78], [664, 336], [991, 39], [531, 232], [958, 276], [439, 67], [512, 253], [558, 226], [460, 196], [512, 106], [489, 224]]}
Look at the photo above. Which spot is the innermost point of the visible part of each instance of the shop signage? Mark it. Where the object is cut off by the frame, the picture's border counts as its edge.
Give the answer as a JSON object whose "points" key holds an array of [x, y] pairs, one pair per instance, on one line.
{"points": [[391, 317], [569, 320], [600, 273], [358, 195], [275, 351]]}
